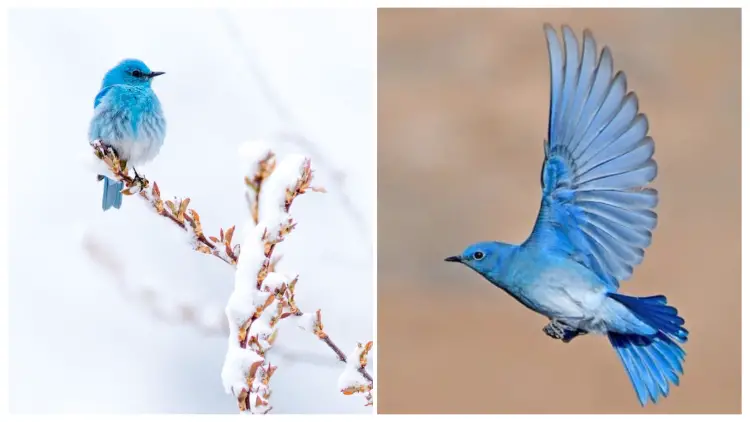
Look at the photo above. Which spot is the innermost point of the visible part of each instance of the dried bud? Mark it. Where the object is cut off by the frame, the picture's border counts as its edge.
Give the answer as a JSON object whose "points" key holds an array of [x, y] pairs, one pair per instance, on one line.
{"points": [[363, 355], [242, 400]]}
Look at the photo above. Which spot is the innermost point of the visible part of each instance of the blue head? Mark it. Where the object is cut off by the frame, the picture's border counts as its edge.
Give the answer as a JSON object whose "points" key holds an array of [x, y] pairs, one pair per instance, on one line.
{"points": [[486, 258], [130, 72]]}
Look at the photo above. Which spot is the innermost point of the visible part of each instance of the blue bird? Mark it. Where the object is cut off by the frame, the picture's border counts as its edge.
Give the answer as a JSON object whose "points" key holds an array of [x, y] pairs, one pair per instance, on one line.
{"points": [[127, 117], [595, 220]]}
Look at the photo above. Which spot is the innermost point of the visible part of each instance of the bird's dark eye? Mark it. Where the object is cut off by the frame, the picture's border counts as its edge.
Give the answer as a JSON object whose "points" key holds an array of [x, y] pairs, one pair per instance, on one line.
{"points": [[137, 73], [478, 255]]}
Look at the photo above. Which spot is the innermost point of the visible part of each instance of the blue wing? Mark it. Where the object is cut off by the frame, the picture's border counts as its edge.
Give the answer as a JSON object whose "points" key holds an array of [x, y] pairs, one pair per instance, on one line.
{"points": [[598, 160], [101, 95]]}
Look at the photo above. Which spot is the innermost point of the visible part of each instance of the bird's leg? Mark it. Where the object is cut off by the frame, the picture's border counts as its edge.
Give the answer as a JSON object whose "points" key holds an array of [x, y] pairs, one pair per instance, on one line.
{"points": [[571, 334], [558, 330]]}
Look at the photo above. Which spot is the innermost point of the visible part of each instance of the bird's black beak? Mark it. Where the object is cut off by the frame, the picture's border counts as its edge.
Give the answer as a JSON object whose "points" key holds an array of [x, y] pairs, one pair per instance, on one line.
{"points": [[154, 74], [453, 259]]}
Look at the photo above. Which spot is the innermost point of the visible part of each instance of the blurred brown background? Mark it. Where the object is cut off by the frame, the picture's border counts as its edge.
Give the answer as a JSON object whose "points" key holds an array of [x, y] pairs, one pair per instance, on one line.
{"points": [[462, 112]]}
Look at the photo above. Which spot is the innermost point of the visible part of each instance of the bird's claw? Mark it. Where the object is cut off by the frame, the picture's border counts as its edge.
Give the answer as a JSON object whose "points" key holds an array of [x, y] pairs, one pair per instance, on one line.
{"points": [[560, 331], [108, 150], [554, 330], [139, 180]]}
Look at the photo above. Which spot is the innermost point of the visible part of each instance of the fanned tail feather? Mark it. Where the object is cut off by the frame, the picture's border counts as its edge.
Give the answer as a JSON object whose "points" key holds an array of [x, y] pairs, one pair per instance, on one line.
{"points": [[652, 362]]}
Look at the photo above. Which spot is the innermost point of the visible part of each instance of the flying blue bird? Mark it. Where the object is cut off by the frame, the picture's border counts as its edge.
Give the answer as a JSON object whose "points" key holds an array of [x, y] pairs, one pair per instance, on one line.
{"points": [[595, 220], [128, 118]]}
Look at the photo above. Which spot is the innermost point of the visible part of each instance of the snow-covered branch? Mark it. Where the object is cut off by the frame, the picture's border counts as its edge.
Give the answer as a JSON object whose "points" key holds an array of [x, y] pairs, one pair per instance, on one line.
{"points": [[355, 378], [175, 210], [262, 297]]}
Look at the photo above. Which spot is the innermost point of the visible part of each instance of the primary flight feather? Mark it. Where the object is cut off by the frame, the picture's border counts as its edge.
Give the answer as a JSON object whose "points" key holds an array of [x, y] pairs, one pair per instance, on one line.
{"points": [[595, 221]]}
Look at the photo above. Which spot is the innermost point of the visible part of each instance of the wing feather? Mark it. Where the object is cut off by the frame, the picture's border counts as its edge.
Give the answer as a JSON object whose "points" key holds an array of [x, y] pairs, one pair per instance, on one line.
{"points": [[598, 162]]}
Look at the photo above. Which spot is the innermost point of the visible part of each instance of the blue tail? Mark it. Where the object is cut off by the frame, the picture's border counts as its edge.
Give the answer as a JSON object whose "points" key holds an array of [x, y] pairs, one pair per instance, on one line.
{"points": [[652, 362], [112, 194]]}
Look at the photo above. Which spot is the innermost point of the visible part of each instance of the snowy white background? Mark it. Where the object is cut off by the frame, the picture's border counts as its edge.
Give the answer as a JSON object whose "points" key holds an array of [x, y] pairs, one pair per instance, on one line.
{"points": [[81, 339]]}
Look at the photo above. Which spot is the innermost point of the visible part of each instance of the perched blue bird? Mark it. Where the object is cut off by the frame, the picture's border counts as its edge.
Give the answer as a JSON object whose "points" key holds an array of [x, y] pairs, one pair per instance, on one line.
{"points": [[128, 118], [595, 221]]}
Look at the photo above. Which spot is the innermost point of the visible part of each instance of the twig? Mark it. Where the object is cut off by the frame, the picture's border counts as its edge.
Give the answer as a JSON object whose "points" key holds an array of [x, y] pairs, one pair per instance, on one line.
{"points": [[318, 331], [177, 211], [266, 166], [327, 340], [349, 382]]}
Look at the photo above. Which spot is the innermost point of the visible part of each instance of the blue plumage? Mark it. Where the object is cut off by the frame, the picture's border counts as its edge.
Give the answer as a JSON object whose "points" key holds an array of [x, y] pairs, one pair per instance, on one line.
{"points": [[594, 223], [128, 117]]}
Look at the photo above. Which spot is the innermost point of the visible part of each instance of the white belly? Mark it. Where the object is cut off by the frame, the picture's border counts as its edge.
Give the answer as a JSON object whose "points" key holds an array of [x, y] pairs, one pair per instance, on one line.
{"points": [[571, 297], [137, 152]]}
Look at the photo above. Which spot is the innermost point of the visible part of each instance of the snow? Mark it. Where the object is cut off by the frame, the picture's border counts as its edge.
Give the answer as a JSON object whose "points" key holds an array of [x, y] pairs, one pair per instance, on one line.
{"points": [[248, 297], [274, 281], [251, 152], [250, 260], [106, 277], [236, 368], [241, 306], [351, 377], [86, 159], [273, 194], [306, 321]]}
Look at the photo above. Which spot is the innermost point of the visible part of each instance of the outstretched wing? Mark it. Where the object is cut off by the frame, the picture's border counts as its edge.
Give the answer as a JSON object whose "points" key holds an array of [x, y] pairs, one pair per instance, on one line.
{"points": [[598, 161]]}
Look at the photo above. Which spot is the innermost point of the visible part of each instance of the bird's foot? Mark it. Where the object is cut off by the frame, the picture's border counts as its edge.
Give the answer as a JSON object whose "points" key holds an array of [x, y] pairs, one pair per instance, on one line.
{"points": [[554, 330], [139, 180], [561, 331], [108, 150]]}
